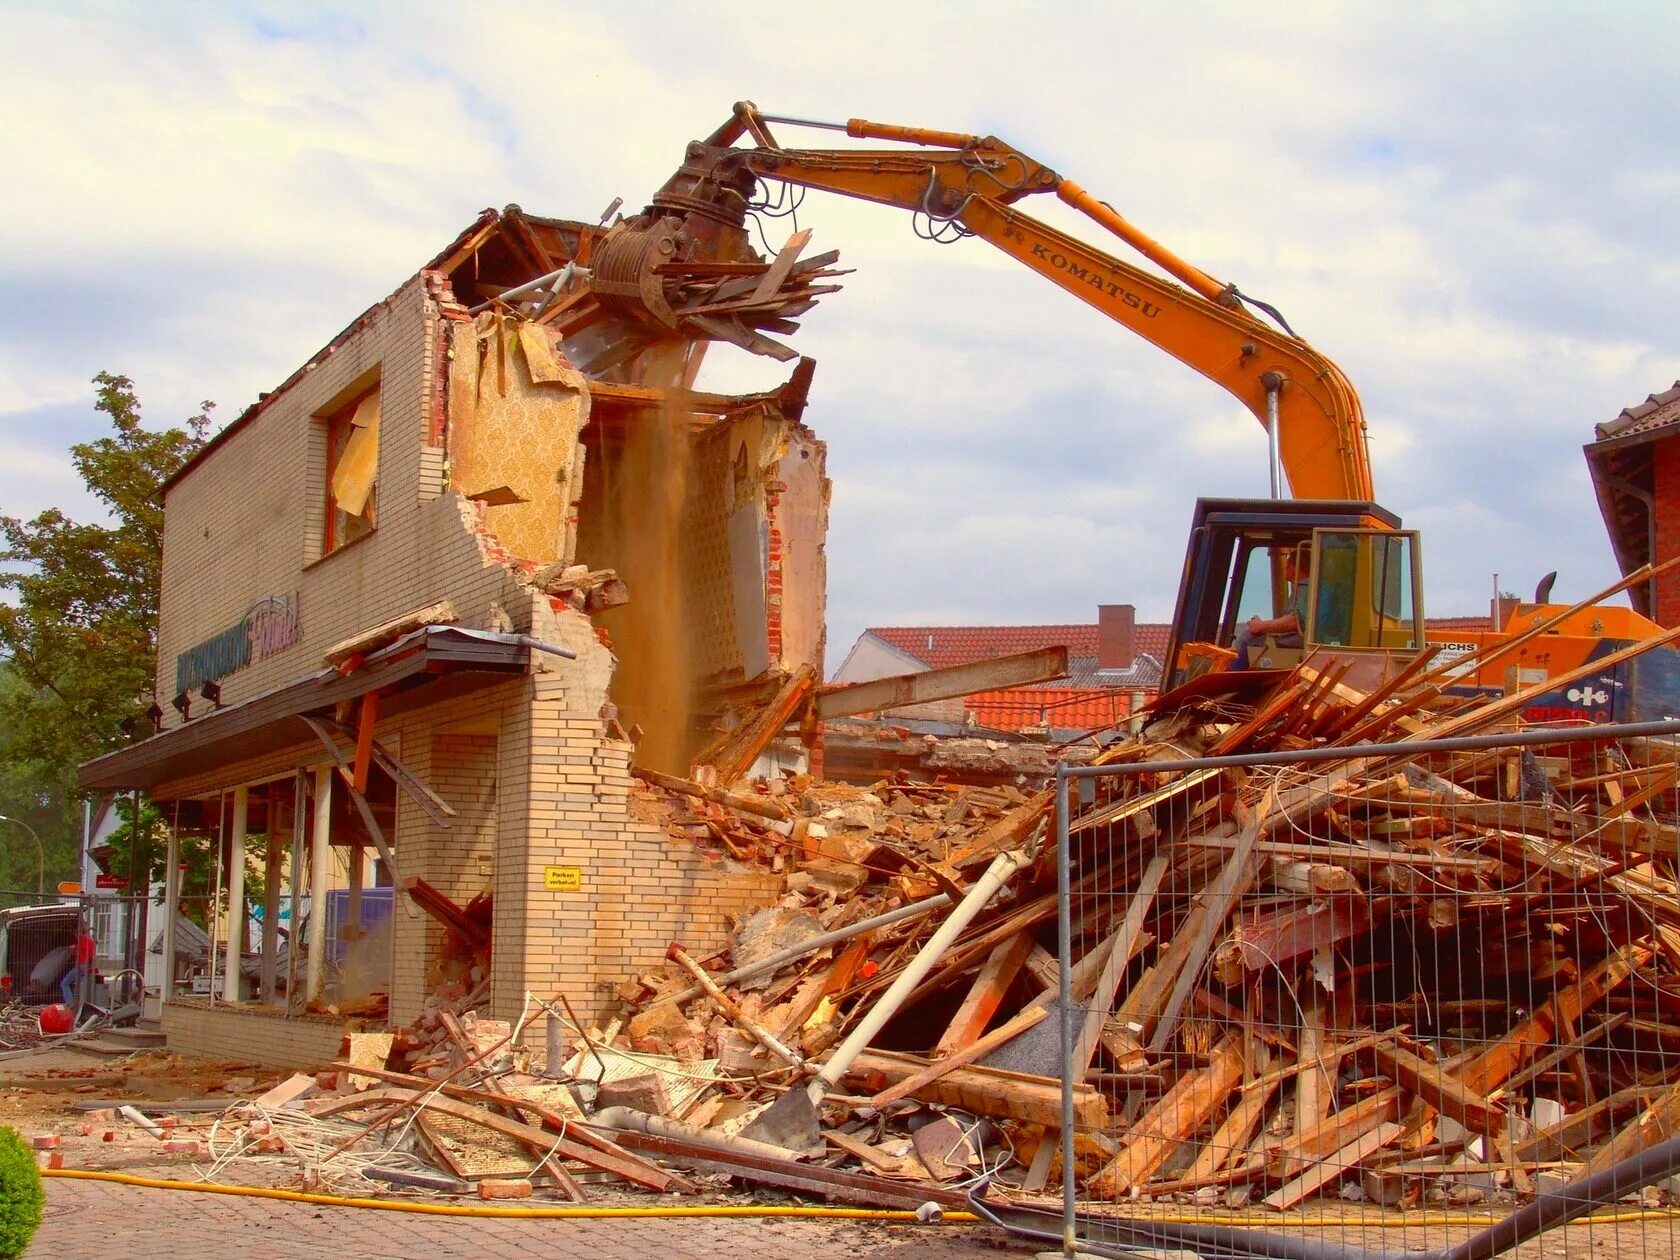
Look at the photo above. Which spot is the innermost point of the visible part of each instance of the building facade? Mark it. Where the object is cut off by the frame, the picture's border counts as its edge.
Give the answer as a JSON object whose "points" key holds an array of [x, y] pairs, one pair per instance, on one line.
{"points": [[421, 608]]}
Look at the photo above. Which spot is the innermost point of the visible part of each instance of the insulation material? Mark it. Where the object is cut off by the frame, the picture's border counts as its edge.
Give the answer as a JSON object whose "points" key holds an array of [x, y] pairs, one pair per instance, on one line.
{"points": [[358, 466], [515, 409]]}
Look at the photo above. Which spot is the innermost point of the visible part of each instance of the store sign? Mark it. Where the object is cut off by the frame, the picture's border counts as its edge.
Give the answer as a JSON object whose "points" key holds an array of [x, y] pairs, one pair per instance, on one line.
{"points": [[102, 880], [269, 626]]}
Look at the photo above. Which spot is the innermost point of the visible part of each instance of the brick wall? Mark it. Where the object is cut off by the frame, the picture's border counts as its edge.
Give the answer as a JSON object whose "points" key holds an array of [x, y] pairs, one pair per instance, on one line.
{"points": [[1665, 455], [246, 522], [251, 1035]]}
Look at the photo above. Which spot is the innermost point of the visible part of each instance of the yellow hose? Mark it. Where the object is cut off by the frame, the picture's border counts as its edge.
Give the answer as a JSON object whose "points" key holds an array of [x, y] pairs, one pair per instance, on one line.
{"points": [[531, 1213], [1270, 1220]]}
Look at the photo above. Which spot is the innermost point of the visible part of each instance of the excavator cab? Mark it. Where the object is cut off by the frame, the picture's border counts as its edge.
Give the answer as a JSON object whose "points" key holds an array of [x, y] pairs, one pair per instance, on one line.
{"points": [[1345, 568]]}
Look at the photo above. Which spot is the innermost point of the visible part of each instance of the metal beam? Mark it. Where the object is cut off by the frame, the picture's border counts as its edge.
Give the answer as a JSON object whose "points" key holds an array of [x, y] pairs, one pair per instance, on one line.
{"points": [[1044, 665]]}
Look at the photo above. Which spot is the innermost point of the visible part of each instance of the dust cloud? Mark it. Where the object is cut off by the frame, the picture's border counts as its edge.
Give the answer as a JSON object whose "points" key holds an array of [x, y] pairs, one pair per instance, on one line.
{"points": [[647, 488]]}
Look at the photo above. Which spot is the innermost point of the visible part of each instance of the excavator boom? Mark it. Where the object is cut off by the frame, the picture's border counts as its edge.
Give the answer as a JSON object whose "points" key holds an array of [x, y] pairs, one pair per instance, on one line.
{"points": [[973, 184]]}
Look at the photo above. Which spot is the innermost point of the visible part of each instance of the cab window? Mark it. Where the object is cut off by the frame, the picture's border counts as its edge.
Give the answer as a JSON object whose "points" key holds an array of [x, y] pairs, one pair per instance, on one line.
{"points": [[1363, 596]]}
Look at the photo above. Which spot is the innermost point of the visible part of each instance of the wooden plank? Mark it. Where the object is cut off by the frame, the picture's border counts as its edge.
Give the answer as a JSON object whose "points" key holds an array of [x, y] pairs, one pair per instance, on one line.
{"points": [[844, 699], [739, 752], [742, 802], [1333, 1166], [654, 1175], [1183, 1109], [985, 995], [438, 614], [1232, 1137], [772, 279], [1317, 1060], [1488, 1070], [979, 1049], [1432, 1084], [1127, 941], [564, 1147], [985, 1091], [1189, 950], [367, 720]]}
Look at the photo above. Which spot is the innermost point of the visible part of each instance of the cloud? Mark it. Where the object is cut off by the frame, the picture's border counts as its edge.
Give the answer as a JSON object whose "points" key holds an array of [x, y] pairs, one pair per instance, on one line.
{"points": [[1472, 210]]}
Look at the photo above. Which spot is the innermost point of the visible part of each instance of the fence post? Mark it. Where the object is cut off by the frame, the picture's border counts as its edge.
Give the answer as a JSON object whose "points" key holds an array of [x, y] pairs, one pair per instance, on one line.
{"points": [[1064, 966]]}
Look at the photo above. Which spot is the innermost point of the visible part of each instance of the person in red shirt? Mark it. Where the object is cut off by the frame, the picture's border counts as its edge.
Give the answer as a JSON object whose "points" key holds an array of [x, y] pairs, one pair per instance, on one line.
{"points": [[83, 964]]}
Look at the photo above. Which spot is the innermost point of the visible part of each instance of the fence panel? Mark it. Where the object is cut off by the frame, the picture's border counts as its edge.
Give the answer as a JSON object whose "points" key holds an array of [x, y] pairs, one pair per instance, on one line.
{"points": [[1373, 996]]}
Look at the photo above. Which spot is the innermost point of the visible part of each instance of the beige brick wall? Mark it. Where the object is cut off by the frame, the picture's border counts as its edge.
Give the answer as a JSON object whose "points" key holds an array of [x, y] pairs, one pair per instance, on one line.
{"points": [[524, 762], [246, 522], [250, 1035]]}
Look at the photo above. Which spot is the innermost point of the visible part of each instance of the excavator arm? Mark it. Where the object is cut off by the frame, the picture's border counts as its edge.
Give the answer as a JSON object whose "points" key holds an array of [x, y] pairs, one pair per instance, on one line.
{"points": [[975, 182]]}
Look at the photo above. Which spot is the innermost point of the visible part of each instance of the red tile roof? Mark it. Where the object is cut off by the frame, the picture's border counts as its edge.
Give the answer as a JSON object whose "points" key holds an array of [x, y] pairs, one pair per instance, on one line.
{"points": [[938, 647], [1456, 623], [1057, 707], [1658, 411]]}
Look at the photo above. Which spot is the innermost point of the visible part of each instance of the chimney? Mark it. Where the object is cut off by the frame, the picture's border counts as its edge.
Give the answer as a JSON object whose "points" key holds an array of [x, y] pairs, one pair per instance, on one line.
{"points": [[1503, 609], [1116, 631]]}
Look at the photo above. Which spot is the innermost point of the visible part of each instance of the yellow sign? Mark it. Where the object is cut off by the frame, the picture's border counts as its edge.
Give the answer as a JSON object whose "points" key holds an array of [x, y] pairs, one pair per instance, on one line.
{"points": [[69, 888], [563, 878]]}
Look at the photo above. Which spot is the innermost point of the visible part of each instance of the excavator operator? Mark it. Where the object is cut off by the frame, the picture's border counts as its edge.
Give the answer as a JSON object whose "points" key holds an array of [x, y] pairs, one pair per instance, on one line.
{"points": [[1285, 629]]}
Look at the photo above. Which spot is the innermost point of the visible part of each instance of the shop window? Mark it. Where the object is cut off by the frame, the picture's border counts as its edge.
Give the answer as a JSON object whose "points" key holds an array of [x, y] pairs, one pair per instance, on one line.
{"points": [[352, 471]]}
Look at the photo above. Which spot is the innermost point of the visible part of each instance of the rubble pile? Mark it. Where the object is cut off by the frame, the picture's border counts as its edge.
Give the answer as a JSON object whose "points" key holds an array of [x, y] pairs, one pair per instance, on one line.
{"points": [[1398, 975]]}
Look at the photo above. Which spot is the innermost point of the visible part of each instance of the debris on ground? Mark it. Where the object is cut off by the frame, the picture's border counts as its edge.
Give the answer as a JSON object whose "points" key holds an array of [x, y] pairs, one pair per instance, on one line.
{"points": [[1373, 975]]}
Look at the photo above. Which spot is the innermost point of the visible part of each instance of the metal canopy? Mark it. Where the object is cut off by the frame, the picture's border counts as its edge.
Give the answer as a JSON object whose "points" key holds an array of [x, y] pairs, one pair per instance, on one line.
{"points": [[432, 664]]}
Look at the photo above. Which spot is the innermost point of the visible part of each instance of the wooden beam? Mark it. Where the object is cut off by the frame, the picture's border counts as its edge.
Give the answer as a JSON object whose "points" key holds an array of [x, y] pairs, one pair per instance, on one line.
{"points": [[1183, 1109], [441, 613], [900, 690], [985, 1091], [368, 719], [985, 995], [1432, 1084], [1333, 1166]]}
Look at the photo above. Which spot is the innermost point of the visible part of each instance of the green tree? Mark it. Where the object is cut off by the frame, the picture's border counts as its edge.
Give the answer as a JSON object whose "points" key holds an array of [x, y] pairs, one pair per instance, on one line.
{"points": [[78, 616]]}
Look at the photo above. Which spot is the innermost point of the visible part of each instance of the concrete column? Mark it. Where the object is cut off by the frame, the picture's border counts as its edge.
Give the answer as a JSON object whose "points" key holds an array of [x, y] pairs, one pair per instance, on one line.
{"points": [[171, 908], [236, 895], [318, 882]]}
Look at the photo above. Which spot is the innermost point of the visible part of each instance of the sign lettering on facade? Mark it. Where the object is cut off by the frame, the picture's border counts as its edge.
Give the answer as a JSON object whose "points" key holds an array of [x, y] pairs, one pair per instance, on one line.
{"points": [[563, 878], [269, 626]]}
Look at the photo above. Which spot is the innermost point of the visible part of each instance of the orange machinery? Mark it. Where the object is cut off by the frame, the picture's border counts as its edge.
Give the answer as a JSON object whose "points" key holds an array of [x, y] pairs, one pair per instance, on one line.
{"points": [[1363, 603]]}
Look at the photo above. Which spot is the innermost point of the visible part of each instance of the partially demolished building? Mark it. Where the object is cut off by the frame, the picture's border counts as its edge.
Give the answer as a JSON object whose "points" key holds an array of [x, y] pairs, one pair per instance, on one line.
{"points": [[421, 602]]}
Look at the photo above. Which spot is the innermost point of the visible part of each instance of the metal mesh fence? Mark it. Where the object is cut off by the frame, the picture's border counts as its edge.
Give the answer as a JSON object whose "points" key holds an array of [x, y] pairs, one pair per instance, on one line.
{"points": [[1379, 996]]}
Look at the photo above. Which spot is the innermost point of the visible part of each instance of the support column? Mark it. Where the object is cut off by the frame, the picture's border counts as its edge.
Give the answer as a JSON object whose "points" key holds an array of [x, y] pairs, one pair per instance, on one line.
{"points": [[277, 810], [236, 895], [318, 882], [353, 911], [171, 908]]}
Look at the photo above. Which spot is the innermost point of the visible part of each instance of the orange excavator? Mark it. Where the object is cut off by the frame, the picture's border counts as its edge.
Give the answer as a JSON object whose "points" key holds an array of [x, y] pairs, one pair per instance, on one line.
{"points": [[1328, 559]]}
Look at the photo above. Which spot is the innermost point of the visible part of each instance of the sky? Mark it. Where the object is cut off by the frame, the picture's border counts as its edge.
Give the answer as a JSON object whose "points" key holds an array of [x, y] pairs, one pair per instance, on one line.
{"points": [[1473, 208]]}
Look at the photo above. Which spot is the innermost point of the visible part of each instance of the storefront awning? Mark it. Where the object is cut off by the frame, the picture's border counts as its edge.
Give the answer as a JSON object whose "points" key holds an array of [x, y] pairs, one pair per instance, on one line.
{"points": [[432, 664]]}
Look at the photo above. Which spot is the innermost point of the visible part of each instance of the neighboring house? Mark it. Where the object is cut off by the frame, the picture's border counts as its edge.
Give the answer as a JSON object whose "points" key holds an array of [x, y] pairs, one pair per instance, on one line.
{"points": [[1109, 661], [1635, 465], [390, 556], [1112, 663]]}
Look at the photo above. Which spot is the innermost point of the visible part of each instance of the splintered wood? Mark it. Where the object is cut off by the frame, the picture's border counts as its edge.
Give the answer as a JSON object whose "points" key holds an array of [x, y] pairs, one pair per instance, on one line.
{"points": [[1418, 977]]}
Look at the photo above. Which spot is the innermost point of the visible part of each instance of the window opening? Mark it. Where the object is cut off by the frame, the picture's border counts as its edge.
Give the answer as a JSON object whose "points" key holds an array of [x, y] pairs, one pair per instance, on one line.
{"points": [[352, 471]]}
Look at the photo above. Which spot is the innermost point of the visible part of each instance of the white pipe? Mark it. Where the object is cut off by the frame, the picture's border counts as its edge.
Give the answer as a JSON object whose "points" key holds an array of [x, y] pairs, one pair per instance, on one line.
{"points": [[1003, 868], [236, 895], [318, 883]]}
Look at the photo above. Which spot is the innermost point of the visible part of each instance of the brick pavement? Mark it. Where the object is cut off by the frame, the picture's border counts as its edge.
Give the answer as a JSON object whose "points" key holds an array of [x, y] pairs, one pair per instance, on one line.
{"points": [[88, 1219]]}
